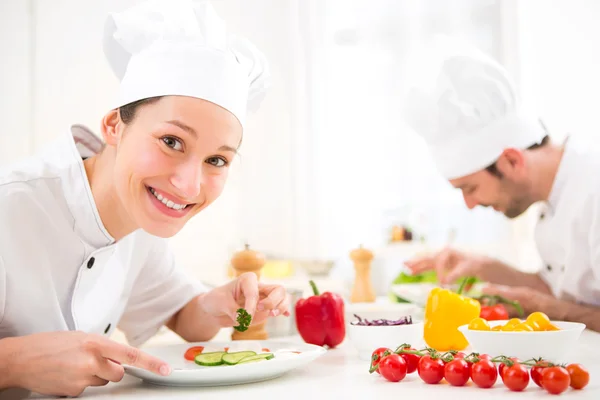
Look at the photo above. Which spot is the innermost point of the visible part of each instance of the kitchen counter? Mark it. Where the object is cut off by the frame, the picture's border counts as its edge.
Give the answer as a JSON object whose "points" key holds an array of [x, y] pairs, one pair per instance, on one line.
{"points": [[340, 374]]}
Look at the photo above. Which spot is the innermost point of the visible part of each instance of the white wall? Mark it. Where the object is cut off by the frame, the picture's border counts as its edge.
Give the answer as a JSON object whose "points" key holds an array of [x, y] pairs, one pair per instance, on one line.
{"points": [[560, 59], [15, 80]]}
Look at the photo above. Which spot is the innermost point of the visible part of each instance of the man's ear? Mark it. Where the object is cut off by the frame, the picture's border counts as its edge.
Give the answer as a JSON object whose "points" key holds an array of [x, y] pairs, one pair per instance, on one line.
{"points": [[512, 161], [112, 128]]}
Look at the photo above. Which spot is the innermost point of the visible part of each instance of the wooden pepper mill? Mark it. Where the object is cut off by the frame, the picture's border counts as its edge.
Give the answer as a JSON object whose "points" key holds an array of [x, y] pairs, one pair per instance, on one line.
{"points": [[249, 260], [363, 291]]}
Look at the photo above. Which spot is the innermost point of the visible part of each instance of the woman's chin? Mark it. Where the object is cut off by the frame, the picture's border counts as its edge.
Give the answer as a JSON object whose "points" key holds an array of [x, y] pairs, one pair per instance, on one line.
{"points": [[162, 230]]}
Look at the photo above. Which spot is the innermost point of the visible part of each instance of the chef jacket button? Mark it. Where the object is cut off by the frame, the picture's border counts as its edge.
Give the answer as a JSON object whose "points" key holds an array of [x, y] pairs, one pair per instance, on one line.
{"points": [[542, 215], [562, 269], [91, 262], [107, 329], [549, 267]]}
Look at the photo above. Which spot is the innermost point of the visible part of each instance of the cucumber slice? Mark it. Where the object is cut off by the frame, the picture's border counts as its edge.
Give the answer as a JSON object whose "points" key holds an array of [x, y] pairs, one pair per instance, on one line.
{"points": [[256, 358], [210, 359], [236, 357]]}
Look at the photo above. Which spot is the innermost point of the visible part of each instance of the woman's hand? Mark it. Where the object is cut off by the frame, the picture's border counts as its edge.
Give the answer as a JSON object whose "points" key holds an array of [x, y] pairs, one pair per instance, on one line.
{"points": [[258, 299], [65, 363]]}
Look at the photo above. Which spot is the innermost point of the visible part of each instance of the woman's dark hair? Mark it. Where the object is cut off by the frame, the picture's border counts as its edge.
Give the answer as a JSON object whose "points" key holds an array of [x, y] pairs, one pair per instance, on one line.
{"points": [[127, 112]]}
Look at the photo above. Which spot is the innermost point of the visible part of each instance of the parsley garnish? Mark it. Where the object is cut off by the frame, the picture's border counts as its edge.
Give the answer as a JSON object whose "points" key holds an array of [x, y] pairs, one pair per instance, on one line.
{"points": [[243, 320]]}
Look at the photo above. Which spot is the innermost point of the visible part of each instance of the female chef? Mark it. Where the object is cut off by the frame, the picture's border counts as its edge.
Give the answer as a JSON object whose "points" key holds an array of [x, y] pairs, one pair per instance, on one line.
{"points": [[83, 242], [498, 155]]}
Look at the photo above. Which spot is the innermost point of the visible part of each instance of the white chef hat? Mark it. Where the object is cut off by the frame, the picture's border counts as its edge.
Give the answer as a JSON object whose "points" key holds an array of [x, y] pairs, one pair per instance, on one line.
{"points": [[466, 107], [182, 47]]}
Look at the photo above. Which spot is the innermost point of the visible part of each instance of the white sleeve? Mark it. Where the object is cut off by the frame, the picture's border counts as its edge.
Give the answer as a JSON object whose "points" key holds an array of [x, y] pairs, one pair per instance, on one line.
{"points": [[2, 289], [161, 289]]}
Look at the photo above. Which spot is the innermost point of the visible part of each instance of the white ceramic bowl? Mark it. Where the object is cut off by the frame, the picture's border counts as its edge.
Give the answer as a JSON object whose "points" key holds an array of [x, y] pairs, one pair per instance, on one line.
{"points": [[366, 339], [552, 345]]}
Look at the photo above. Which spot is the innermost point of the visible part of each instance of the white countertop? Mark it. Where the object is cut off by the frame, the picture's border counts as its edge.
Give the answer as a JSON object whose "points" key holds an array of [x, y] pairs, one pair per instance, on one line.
{"points": [[339, 373]]}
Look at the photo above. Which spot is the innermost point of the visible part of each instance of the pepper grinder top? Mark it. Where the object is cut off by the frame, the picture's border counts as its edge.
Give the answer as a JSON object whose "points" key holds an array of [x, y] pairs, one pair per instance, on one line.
{"points": [[361, 255], [248, 260]]}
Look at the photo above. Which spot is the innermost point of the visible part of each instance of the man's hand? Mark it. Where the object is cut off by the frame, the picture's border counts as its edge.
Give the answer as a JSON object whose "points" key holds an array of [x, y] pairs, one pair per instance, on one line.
{"points": [[259, 300], [449, 264], [65, 363]]}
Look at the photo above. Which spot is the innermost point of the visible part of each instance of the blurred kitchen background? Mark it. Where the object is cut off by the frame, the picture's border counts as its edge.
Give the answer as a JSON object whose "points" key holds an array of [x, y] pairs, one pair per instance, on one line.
{"points": [[326, 164]]}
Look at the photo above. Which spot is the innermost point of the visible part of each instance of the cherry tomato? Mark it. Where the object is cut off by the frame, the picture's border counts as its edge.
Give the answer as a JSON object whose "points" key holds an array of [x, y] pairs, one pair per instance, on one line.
{"points": [[484, 374], [392, 368], [378, 355], [485, 357], [555, 380], [431, 370], [457, 372], [192, 352], [516, 378], [493, 313], [536, 372], [412, 361], [502, 367], [579, 375], [540, 319], [479, 324], [524, 327], [460, 355]]}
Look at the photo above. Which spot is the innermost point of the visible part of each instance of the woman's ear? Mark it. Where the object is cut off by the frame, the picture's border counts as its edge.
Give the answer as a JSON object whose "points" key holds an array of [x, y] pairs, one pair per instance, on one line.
{"points": [[112, 128]]}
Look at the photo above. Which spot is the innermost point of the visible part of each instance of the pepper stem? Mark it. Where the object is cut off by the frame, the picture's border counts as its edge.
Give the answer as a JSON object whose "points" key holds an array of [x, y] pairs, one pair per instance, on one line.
{"points": [[313, 285]]}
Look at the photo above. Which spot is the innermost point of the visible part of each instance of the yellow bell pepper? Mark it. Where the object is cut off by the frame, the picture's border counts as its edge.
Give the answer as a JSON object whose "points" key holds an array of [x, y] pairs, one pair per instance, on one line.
{"points": [[444, 313]]}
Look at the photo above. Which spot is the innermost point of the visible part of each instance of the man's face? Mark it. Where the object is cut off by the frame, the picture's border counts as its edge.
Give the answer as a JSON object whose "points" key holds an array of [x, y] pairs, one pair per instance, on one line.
{"points": [[506, 190]]}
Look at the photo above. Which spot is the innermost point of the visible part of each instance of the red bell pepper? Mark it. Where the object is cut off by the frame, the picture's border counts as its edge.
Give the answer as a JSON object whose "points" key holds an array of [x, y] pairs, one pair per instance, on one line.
{"points": [[320, 318]]}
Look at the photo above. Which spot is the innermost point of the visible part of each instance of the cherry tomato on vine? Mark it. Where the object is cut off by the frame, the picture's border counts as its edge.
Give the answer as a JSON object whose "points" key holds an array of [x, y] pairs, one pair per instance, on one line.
{"points": [[516, 377], [412, 360], [555, 380], [579, 375], [392, 368], [457, 372], [536, 372], [484, 374], [431, 370], [377, 355], [503, 367]]}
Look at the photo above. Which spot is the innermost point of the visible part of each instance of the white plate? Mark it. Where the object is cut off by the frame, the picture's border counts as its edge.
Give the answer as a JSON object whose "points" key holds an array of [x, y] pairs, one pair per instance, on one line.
{"points": [[188, 373]]}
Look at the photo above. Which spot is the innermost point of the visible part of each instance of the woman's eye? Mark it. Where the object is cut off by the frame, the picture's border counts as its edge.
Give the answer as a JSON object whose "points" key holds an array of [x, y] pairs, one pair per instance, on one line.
{"points": [[173, 143], [217, 161]]}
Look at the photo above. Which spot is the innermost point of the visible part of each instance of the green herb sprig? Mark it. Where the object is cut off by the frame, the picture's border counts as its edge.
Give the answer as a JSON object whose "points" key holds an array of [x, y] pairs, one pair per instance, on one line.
{"points": [[244, 319]]}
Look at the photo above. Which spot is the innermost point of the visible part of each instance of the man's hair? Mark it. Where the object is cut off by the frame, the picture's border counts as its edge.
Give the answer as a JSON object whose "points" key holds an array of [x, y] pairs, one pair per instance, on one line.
{"points": [[493, 169]]}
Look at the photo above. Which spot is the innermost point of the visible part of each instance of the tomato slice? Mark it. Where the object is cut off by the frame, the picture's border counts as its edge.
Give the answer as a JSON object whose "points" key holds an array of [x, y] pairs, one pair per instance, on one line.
{"points": [[192, 352]]}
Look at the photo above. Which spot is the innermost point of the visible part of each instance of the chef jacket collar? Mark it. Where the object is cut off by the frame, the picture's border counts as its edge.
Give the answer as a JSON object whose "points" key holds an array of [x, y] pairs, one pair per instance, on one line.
{"points": [[561, 176], [82, 143]]}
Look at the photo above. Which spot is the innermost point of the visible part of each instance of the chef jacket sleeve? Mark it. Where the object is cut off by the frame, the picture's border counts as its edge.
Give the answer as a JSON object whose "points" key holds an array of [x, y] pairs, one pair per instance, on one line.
{"points": [[593, 276], [2, 289], [161, 289]]}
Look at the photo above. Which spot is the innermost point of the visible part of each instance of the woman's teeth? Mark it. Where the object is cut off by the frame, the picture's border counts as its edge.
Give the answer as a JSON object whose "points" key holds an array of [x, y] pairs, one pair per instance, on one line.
{"points": [[168, 203]]}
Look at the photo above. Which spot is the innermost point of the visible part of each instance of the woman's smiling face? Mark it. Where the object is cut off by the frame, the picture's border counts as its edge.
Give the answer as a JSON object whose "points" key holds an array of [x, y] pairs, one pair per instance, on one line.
{"points": [[172, 160]]}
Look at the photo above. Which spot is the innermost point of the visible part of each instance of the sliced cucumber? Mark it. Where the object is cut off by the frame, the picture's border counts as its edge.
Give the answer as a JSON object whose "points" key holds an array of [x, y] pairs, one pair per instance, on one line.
{"points": [[256, 358], [210, 359], [236, 357]]}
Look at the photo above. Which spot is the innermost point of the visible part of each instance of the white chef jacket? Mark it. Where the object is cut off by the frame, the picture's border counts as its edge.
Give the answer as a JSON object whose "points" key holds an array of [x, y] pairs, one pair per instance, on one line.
{"points": [[59, 267], [567, 234]]}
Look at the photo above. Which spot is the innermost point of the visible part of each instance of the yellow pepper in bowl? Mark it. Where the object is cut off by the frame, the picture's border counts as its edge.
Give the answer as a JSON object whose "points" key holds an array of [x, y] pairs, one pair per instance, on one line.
{"points": [[445, 311]]}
